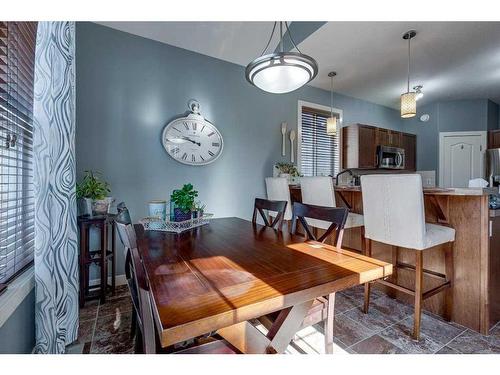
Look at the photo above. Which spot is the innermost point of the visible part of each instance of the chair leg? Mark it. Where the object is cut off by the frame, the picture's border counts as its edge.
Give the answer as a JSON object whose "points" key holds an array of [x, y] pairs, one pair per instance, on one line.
{"points": [[133, 326], [448, 296], [138, 349], [329, 324], [418, 293], [368, 252], [394, 276]]}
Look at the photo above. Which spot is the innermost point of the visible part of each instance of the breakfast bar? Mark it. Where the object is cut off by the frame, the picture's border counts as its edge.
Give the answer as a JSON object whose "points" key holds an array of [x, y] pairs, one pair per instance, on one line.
{"points": [[476, 254]]}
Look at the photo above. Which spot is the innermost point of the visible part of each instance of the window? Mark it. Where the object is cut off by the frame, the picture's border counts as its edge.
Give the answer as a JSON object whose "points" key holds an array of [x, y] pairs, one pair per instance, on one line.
{"points": [[318, 152], [17, 206]]}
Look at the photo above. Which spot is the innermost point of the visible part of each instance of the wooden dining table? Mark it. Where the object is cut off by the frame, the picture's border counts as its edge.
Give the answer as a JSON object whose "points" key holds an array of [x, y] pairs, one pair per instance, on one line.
{"points": [[220, 276]]}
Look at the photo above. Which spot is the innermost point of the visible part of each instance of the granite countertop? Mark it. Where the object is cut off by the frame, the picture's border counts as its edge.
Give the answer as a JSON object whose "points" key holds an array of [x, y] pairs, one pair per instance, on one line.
{"points": [[433, 191]]}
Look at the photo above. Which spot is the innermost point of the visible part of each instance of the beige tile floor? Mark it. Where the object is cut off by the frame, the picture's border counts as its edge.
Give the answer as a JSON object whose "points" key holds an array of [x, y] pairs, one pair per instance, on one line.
{"points": [[386, 329]]}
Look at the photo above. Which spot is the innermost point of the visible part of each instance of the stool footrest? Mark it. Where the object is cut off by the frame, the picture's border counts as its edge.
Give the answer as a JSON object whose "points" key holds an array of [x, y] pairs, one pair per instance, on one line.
{"points": [[436, 290], [428, 272]]}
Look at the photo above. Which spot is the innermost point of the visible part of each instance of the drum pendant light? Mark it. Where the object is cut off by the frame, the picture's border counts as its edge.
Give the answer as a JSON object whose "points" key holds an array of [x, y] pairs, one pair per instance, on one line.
{"points": [[331, 122], [409, 98], [281, 72]]}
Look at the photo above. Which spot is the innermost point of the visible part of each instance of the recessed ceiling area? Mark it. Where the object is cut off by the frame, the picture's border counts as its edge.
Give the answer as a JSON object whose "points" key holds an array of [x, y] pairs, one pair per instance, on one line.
{"points": [[452, 60]]}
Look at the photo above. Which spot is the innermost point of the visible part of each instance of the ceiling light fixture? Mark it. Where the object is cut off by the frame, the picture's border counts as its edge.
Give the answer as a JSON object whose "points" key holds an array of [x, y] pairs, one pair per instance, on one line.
{"points": [[418, 90], [409, 98], [281, 72], [331, 122]]}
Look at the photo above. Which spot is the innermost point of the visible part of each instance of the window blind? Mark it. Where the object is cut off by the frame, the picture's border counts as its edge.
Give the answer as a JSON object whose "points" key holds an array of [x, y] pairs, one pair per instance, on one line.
{"points": [[319, 152], [17, 206]]}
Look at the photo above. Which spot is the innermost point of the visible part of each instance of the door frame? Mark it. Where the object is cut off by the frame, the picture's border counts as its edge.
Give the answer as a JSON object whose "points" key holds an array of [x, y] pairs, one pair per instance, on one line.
{"points": [[484, 143]]}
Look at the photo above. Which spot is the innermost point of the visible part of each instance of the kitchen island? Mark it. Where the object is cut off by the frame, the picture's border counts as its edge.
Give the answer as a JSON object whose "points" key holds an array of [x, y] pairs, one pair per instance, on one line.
{"points": [[476, 255]]}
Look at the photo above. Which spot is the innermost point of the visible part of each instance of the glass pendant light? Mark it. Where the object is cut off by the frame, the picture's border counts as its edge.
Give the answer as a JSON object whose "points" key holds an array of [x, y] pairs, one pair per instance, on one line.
{"points": [[331, 122], [281, 72], [409, 98]]}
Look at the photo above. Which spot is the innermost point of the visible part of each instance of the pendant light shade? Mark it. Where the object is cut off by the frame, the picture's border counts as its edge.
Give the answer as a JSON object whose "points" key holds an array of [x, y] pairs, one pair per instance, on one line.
{"points": [[331, 126], [331, 122], [281, 72], [409, 98], [408, 104]]}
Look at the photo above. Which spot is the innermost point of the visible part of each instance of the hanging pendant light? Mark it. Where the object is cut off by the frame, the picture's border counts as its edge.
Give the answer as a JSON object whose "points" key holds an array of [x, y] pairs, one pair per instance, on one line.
{"points": [[331, 122], [409, 98], [281, 72]]}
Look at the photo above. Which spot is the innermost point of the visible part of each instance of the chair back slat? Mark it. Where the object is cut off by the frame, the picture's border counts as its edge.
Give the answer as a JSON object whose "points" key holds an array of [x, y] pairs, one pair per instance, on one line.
{"points": [[279, 207], [336, 216], [278, 190]]}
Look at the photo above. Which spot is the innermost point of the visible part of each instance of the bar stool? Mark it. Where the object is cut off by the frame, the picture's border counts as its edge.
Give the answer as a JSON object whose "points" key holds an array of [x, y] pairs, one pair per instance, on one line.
{"points": [[278, 190], [319, 191], [393, 208]]}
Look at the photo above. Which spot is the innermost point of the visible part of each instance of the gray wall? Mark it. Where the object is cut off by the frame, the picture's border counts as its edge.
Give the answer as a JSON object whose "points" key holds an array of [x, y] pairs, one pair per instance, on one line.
{"points": [[129, 88], [17, 335]]}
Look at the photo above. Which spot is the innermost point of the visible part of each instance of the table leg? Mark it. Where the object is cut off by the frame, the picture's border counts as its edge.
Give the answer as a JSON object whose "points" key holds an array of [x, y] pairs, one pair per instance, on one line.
{"points": [[104, 273], [248, 339], [330, 316], [113, 264]]}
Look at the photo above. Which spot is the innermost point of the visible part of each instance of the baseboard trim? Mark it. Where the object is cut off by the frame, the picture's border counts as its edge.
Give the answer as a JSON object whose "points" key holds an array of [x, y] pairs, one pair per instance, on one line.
{"points": [[119, 280]]}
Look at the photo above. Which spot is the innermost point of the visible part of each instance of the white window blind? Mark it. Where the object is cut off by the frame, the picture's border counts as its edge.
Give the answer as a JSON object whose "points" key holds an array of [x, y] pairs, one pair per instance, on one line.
{"points": [[17, 55], [319, 152]]}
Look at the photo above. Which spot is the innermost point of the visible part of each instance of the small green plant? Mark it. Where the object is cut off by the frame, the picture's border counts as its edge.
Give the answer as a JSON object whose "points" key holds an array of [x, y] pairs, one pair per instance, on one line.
{"points": [[288, 168], [92, 187], [198, 206], [184, 198]]}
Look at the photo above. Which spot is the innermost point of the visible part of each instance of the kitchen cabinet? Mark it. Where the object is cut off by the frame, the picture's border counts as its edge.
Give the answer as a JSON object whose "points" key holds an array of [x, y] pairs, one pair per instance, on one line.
{"points": [[409, 144], [494, 139], [359, 146], [360, 141]]}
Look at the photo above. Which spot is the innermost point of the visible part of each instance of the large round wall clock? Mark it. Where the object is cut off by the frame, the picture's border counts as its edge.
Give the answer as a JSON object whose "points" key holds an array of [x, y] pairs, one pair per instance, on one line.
{"points": [[192, 140]]}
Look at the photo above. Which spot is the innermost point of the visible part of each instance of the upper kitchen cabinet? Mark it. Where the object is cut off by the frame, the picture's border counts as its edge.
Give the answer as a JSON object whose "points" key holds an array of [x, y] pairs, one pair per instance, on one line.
{"points": [[409, 144], [359, 146], [494, 139]]}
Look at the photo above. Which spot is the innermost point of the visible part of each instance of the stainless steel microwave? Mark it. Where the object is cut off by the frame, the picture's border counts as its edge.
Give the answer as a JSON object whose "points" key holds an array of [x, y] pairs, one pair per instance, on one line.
{"points": [[390, 157]]}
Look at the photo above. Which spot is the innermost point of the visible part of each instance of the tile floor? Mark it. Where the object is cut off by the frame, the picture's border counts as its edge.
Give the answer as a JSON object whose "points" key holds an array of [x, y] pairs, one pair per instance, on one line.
{"points": [[386, 329]]}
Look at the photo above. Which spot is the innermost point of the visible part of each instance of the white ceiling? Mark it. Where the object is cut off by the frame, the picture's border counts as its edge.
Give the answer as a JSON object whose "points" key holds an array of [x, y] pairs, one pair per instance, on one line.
{"points": [[452, 60]]}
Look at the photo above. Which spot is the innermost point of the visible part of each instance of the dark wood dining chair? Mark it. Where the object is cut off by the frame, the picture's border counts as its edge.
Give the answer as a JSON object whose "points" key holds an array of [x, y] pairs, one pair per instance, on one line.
{"points": [[336, 216], [277, 207], [323, 307]]}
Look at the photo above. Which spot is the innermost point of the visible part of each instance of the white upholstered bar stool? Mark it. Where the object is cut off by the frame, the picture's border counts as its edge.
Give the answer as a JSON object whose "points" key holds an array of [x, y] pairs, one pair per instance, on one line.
{"points": [[319, 191], [278, 190], [393, 209]]}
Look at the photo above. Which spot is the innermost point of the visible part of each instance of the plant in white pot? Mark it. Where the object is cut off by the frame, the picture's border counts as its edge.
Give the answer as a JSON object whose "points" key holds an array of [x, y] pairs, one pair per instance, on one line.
{"points": [[92, 194], [287, 170]]}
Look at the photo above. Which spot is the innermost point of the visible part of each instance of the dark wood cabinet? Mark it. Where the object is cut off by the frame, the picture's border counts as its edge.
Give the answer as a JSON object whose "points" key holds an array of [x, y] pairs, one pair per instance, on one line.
{"points": [[494, 139], [359, 146], [409, 144]]}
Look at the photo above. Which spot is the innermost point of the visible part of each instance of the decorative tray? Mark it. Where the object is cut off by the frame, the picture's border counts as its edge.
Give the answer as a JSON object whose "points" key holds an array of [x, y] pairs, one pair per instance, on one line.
{"points": [[154, 223]]}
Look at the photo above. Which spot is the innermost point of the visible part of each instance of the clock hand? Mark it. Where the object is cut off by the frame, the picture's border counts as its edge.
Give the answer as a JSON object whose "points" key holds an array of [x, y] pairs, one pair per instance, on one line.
{"points": [[190, 140]]}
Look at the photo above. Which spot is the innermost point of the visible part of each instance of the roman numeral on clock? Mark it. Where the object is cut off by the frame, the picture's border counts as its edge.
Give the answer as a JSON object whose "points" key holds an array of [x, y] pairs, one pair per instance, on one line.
{"points": [[211, 153], [186, 125], [184, 157], [193, 158], [176, 150], [210, 134], [215, 144], [195, 125]]}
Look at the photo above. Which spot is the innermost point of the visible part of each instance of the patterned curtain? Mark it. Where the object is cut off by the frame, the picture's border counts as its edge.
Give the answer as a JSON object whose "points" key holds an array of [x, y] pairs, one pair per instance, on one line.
{"points": [[56, 249]]}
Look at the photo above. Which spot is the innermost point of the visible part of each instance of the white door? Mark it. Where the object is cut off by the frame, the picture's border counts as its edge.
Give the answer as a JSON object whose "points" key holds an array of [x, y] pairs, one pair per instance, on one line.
{"points": [[461, 157]]}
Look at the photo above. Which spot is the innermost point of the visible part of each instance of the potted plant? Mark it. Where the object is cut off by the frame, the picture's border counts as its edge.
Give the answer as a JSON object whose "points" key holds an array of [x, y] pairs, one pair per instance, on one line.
{"points": [[91, 193], [198, 209], [287, 170], [183, 200]]}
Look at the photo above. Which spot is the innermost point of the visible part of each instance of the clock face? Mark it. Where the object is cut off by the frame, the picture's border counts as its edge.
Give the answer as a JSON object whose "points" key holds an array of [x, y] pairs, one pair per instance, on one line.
{"points": [[192, 140]]}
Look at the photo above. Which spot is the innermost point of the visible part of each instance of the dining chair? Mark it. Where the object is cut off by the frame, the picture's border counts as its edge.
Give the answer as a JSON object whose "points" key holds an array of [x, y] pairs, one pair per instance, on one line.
{"points": [[323, 307], [271, 206], [319, 190], [394, 214], [278, 190], [333, 217]]}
